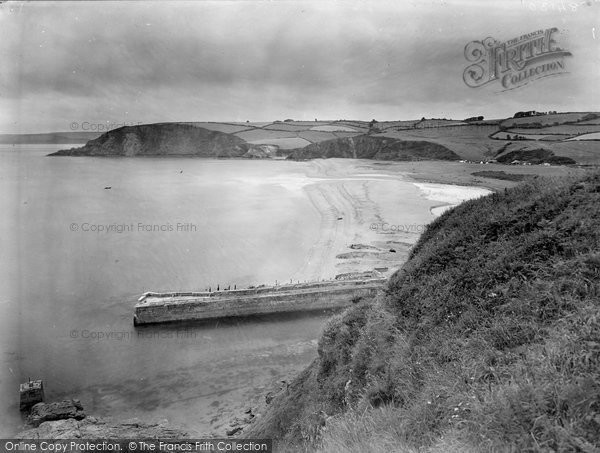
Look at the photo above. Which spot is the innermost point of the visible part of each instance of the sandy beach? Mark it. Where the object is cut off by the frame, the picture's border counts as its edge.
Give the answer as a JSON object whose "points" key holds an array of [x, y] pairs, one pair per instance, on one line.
{"points": [[370, 216]]}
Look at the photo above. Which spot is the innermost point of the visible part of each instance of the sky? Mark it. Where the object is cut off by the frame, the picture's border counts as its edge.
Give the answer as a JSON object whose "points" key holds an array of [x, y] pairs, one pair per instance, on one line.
{"points": [[63, 64]]}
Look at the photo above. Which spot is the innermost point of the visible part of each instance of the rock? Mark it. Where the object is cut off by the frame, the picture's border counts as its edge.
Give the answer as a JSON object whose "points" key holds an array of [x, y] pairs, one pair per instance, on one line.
{"points": [[233, 431], [95, 428], [362, 246], [269, 397], [44, 412], [261, 151]]}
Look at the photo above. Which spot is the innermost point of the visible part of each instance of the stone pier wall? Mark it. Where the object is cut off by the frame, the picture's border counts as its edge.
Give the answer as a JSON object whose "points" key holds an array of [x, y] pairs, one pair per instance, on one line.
{"points": [[172, 307]]}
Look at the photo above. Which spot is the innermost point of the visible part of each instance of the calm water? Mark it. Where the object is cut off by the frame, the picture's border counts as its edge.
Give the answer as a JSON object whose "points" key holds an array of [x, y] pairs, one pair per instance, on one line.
{"points": [[62, 287], [67, 292]]}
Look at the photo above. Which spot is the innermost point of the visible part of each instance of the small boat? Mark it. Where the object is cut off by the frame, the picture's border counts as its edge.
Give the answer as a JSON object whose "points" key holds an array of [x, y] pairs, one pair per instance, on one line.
{"points": [[32, 392]]}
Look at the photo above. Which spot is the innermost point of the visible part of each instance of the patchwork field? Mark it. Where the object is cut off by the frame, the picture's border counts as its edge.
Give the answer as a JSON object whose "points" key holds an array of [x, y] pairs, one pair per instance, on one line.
{"points": [[297, 134], [264, 134], [595, 121], [591, 136], [282, 143], [468, 141], [228, 128], [566, 129], [512, 135], [548, 120], [573, 136], [285, 127], [334, 128], [318, 136], [563, 134]]}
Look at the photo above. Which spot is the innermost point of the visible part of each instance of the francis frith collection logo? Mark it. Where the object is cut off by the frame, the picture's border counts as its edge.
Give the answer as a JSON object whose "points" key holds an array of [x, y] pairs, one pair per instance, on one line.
{"points": [[515, 62]]}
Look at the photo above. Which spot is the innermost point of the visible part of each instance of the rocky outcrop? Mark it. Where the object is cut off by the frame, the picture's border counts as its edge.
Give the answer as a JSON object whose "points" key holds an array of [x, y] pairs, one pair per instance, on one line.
{"points": [[379, 148], [95, 428], [167, 139], [67, 409], [261, 151]]}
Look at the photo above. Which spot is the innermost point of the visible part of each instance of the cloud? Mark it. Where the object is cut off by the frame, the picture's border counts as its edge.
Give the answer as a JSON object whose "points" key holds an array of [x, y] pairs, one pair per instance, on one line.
{"points": [[260, 60]]}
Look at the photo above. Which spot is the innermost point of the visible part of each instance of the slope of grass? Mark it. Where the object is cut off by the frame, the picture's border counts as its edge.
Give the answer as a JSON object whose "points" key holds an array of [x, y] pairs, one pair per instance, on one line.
{"points": [[563, 129], [549, 120], [591, 136], [469, 142], [582, 151], [282, 143], [488, 338], [502, 175], [534, 156], [379, 148]]}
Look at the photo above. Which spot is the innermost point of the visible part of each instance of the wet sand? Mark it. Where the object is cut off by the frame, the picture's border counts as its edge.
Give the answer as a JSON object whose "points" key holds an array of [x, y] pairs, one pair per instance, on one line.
{"points": [[370, 216]]}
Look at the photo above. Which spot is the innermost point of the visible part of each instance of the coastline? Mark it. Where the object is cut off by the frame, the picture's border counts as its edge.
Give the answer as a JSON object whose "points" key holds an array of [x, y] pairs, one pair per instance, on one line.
{"points": [[350, 196]]}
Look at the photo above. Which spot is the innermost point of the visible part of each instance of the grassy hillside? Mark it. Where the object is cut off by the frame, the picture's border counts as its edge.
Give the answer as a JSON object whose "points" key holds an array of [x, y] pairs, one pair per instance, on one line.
{"points": [[570, 137], [486, 140], [488, 338], [161, 140], [380, 148]]}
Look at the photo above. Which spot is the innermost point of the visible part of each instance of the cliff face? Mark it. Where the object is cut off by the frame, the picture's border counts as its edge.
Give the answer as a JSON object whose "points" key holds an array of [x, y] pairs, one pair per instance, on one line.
{"points": [[379, 148], [175, 139], [161, 140]]}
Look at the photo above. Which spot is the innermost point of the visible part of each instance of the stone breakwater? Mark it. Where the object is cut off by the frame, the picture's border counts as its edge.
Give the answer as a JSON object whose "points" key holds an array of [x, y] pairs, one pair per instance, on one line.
{"points": [[154, 308]]}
